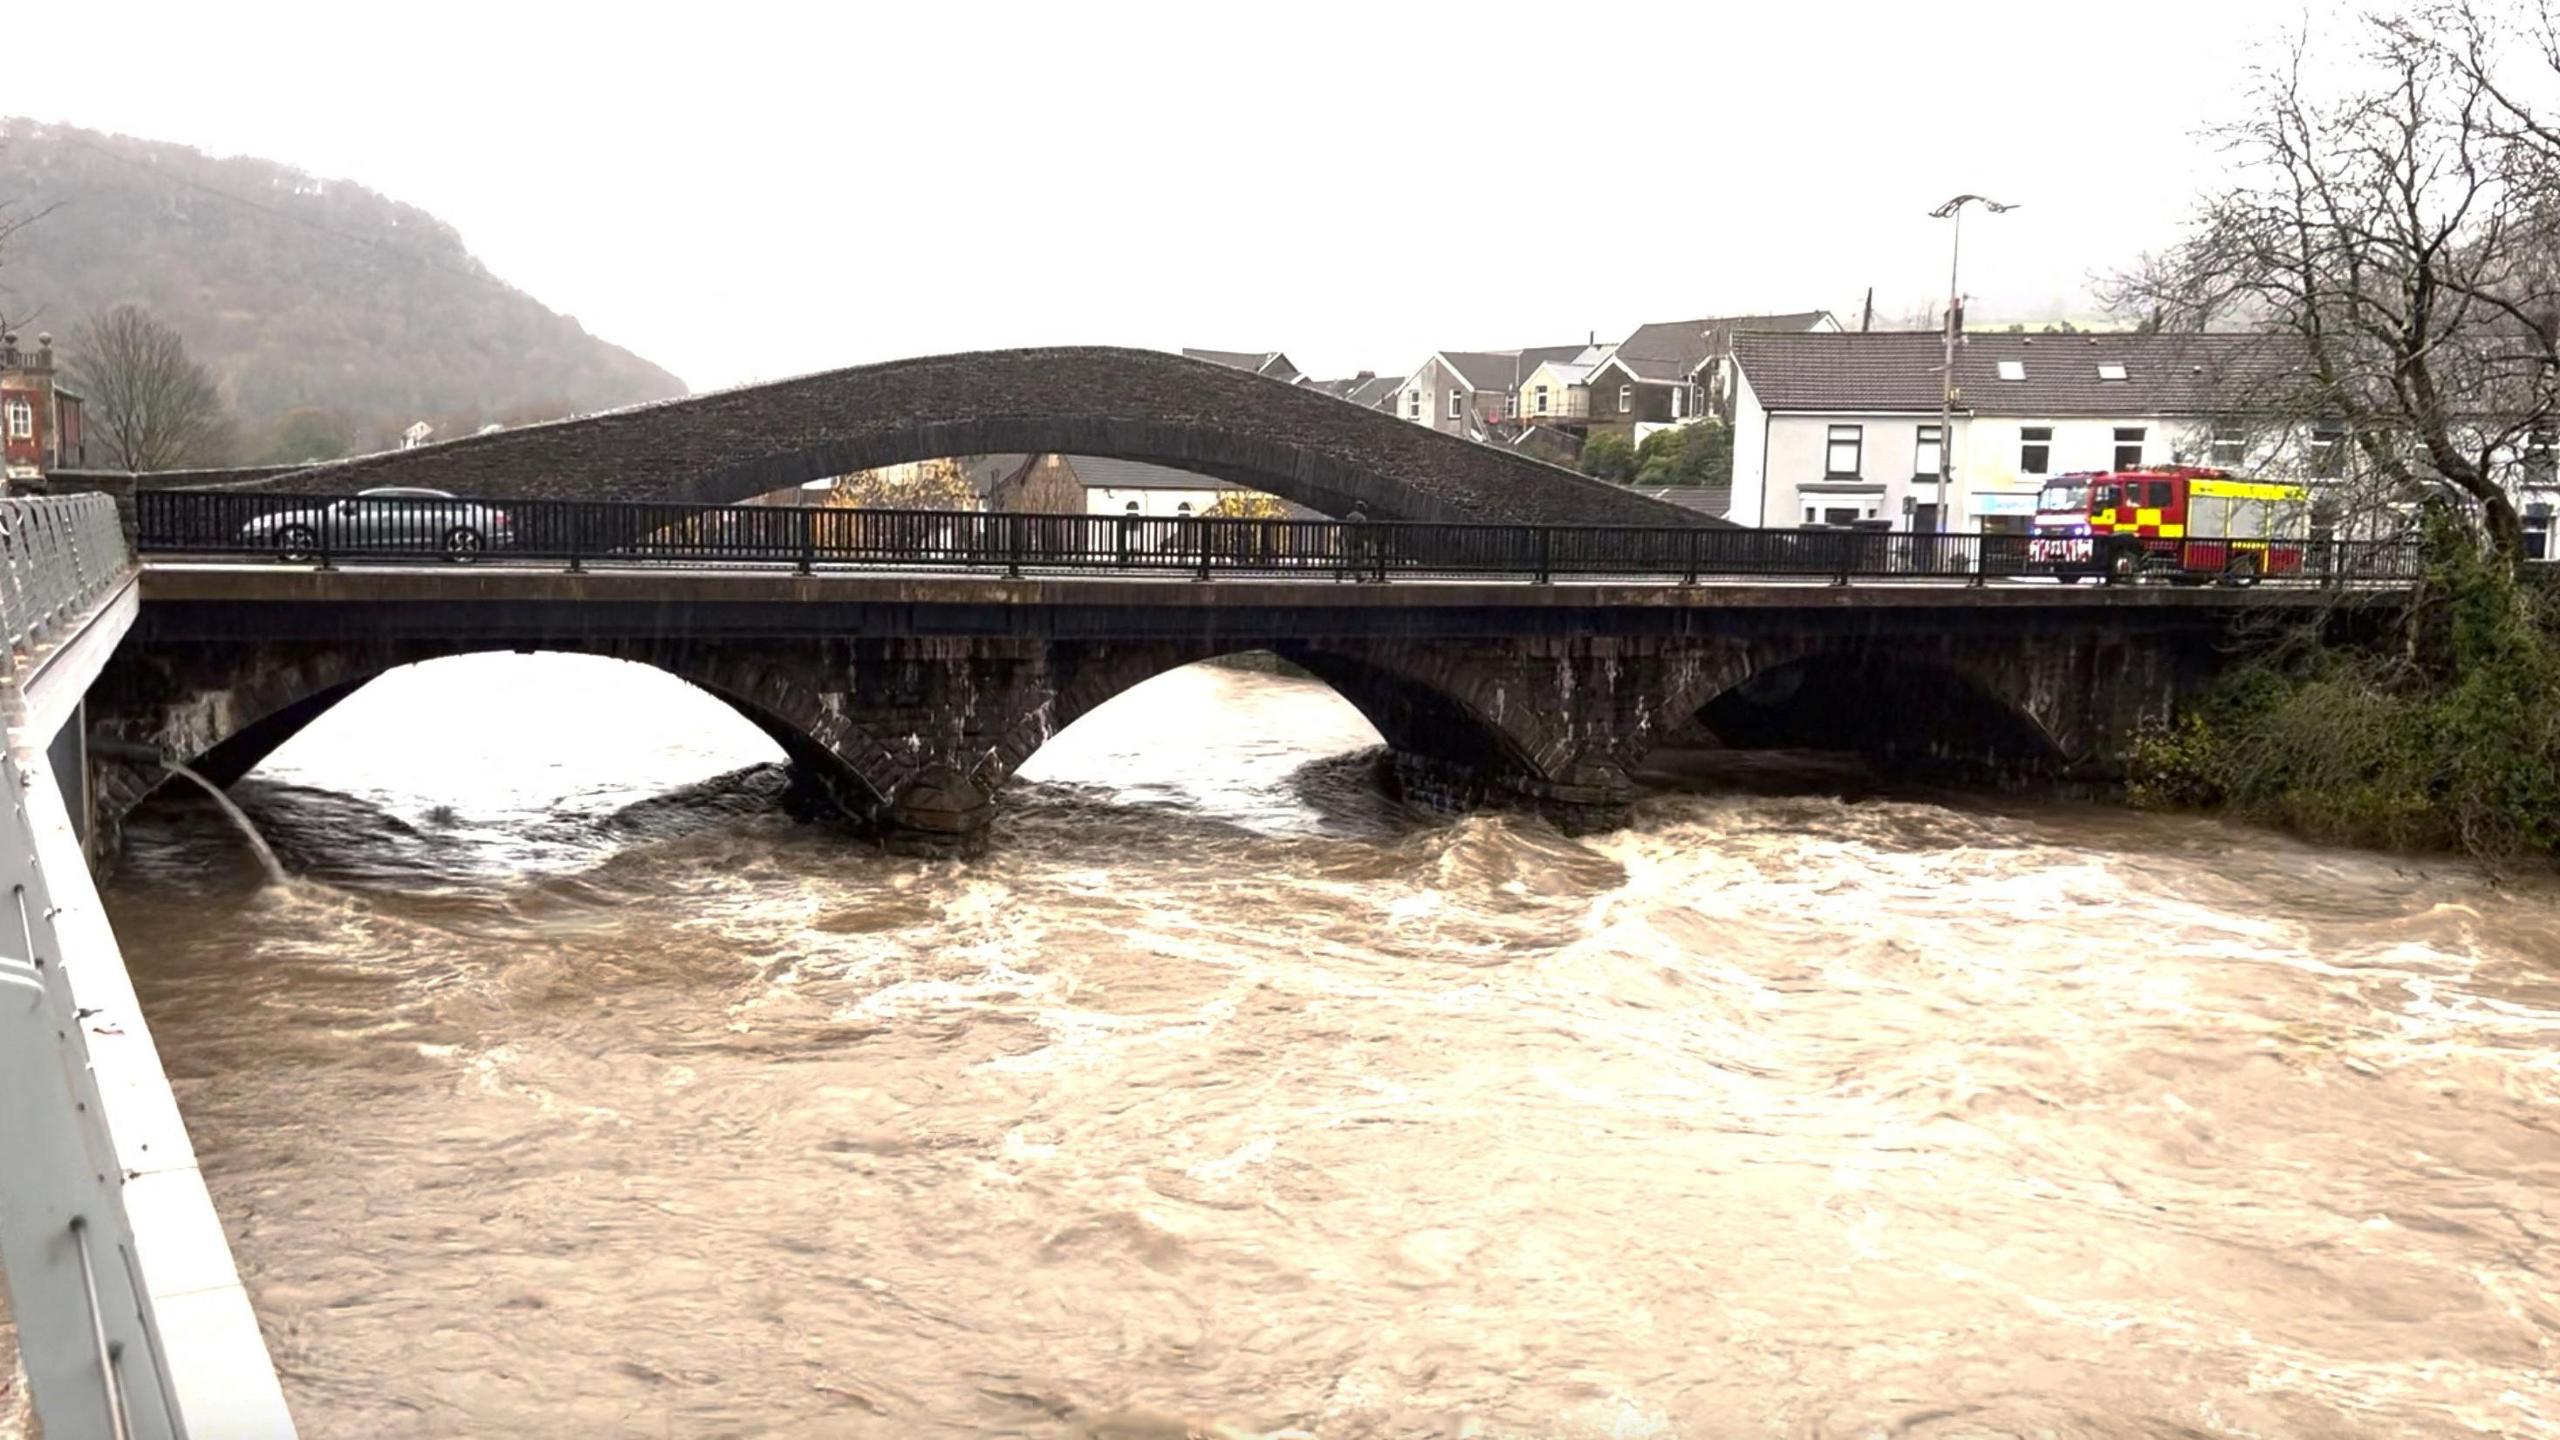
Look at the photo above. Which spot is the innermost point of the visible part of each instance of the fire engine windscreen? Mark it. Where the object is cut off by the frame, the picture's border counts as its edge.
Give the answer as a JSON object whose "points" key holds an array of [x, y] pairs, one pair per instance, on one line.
{"points": [[2063, 497]]}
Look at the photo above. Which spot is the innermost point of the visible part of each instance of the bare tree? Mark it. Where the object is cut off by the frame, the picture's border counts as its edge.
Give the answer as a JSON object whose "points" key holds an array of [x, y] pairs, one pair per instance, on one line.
{"points": [[2393, 232], [151, 406]]}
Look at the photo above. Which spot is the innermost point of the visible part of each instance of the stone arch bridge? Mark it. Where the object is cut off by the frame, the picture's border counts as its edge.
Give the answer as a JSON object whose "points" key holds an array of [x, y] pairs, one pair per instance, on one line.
{"points": [[906, 701], [733, 445]]}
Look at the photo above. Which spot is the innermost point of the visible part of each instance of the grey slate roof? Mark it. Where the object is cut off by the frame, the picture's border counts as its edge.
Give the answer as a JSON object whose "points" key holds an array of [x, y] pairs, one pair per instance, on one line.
{"points": [[1668, 350], [1377, 392], [1139, 475], [1504, 369], [1899, 371], [1102, 473], [1705, 499], [1258, 362]]}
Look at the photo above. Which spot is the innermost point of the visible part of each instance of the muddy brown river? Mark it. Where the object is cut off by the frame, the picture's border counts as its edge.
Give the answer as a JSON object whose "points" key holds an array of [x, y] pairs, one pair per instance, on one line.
{"points": [[574, 1090]]}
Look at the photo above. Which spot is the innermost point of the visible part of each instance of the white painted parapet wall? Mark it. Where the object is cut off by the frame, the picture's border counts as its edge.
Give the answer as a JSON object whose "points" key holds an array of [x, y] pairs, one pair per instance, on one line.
{"points": [[131, 1318]]}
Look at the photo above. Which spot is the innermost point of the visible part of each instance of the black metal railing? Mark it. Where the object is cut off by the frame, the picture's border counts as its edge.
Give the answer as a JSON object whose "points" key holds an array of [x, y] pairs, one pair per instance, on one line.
{"points": [[344, 529]]}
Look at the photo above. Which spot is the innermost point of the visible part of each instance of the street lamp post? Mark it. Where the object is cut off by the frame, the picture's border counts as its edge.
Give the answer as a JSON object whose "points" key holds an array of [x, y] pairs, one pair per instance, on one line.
{"points": [[1953, 210]]}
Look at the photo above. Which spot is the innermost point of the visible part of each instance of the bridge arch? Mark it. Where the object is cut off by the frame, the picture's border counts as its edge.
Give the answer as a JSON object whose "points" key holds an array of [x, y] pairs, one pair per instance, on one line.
{"points": [[1931, 704], [911, 739], [229, 716], [1425, 721], [733, 445]]}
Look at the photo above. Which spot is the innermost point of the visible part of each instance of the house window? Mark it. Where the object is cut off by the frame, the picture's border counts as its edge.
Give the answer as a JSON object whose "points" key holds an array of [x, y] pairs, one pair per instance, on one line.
{"points": [[2537, 532], [1413, 404], [1842, 454], [1132, 508], [1052, 462], [1539, 396], [2129, 440], [1182, 509], [2035, 449], [2110, 372], [1925, 455], [1679, 402], [1839, 514], [2328, 456], [1626, 399], [22, 420], [2229, 445], [2013, 369], [2542, 455], [1457, 405]]}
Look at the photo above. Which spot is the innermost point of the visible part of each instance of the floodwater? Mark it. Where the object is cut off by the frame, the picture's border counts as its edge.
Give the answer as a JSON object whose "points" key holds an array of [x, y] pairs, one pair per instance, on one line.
{"points": [[576, 1091]]}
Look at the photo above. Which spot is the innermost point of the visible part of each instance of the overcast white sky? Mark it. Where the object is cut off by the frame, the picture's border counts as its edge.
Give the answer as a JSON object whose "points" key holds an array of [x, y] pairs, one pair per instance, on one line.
{"points": [[746, 190]]}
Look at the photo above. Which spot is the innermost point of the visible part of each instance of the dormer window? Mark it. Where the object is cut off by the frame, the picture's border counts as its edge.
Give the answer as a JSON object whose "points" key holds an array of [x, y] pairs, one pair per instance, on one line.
{"points": [[2110, 371]]}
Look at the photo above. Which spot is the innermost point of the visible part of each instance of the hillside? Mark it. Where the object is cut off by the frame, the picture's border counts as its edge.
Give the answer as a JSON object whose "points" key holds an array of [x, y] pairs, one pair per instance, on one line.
{"points": [[330, 316]]}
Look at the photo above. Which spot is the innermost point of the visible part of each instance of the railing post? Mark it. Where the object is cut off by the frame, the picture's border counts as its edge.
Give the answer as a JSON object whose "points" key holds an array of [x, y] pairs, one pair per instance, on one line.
{"points": [[1841, 553], [576, 516], [808, 539], [1689, 576], [1204, 527], [1981, 561], [1545, 554], [1017, 539]]}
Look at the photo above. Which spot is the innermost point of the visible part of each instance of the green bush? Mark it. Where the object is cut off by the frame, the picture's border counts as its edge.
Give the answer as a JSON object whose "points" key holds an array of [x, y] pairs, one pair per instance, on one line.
{"points": [[1609, 457], [2448, 737]]}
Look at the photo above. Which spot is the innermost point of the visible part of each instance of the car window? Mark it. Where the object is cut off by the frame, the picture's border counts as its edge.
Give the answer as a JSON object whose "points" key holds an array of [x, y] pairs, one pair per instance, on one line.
{"points": [[2106, 494], [2163, 494]]}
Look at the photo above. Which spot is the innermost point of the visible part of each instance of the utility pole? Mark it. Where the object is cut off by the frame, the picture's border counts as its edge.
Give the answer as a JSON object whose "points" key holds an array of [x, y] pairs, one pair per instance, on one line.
{"points": [[1953, 210]]}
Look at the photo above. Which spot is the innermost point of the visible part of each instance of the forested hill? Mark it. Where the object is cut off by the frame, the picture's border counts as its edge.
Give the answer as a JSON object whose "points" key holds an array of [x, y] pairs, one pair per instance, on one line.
{"points": [[321, 308]]}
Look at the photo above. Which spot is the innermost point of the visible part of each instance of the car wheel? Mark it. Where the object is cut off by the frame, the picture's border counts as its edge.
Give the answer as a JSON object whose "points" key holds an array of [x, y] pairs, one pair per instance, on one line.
{"points": [[2124, 563], [296, 543], [462, 544], [2068, 579]]}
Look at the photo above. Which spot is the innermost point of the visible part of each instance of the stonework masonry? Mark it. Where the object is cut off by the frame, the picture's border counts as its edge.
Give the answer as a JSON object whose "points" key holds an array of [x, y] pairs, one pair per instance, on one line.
{"points": [[731, 445], [906, 703]]}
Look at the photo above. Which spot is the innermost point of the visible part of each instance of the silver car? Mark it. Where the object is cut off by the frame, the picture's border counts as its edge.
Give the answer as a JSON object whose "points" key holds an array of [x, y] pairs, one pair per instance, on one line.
{"points": [[393, 520]]}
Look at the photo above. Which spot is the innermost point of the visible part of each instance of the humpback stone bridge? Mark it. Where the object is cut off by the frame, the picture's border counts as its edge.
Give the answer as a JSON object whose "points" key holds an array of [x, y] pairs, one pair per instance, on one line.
{"points": [[733, 445], [905, 701]]}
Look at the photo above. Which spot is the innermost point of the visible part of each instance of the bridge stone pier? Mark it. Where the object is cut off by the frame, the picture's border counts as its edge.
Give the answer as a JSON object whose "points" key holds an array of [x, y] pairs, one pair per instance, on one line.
{"points": [[905, 702]]}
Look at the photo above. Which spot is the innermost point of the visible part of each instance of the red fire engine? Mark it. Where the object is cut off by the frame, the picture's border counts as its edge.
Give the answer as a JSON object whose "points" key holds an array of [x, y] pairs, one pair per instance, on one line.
{"points": [[2183, 521]]}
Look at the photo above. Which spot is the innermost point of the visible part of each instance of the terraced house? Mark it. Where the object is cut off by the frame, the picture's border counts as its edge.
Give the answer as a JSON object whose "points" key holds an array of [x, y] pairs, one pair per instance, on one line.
{"points": [[1675, 371], [1842, 428]]}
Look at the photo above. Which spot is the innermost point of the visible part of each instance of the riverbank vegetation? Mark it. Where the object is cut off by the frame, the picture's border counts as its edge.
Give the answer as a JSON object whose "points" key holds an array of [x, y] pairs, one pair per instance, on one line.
{"points": [[2441, 734], [2391, 224]]}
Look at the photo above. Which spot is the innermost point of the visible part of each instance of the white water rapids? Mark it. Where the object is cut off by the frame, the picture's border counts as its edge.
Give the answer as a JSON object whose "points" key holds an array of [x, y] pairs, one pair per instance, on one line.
{"points": [[571, 1101]]}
